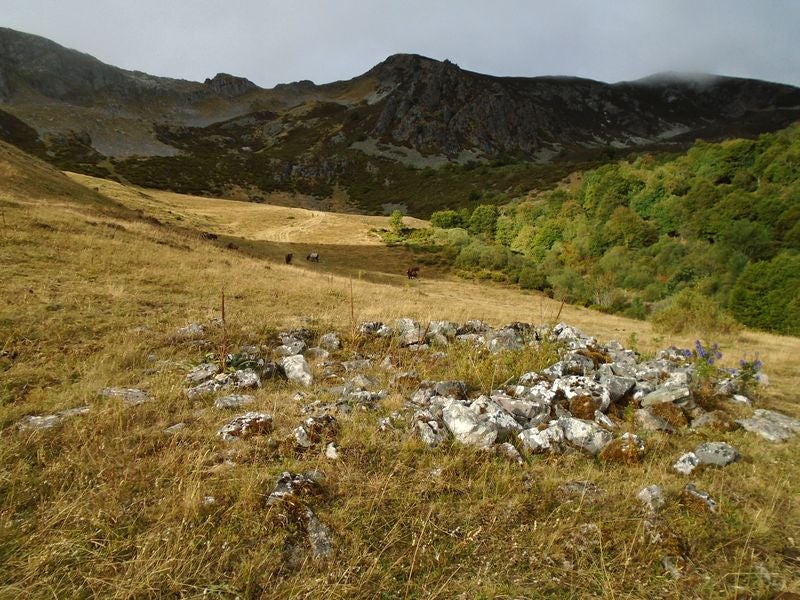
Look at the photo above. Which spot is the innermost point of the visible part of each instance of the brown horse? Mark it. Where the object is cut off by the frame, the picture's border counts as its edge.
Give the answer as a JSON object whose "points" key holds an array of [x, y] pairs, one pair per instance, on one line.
{"points": [[413, 272], [289, 259]]}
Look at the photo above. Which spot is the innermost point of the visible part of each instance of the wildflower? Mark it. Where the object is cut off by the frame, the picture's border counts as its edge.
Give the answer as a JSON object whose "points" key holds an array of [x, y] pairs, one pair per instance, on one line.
{"points": [[701, 352]]}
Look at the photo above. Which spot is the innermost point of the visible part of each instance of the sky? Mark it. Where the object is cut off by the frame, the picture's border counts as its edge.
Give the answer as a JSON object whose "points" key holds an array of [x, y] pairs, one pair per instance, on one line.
{"points": [[272, 42]]}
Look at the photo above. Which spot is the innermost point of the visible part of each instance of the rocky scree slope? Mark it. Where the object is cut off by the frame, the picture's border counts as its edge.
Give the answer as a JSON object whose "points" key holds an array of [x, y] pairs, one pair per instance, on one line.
{"points": [[597, 400]]}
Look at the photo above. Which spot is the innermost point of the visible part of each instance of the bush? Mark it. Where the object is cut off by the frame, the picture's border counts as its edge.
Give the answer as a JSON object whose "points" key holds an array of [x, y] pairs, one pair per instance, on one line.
{"points": [[447, 219], [688, 310]]}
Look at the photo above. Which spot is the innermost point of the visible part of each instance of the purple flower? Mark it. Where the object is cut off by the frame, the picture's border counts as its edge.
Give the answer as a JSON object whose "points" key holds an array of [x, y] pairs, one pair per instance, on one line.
{"points": [[700, 350]]}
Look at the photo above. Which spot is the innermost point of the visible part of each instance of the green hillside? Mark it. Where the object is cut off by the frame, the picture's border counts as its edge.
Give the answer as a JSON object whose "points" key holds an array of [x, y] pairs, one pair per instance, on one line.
{"points": [[713, 231]]}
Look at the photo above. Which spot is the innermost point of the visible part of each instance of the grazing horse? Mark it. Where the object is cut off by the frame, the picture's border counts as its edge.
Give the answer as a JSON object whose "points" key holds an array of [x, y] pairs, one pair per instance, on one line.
{"points": [[289, 259], [413, 272], [313, 257]]}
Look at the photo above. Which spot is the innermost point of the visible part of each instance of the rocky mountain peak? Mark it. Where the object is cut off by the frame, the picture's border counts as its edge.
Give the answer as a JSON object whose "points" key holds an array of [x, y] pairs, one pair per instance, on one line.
{"points": [[229, 86]]}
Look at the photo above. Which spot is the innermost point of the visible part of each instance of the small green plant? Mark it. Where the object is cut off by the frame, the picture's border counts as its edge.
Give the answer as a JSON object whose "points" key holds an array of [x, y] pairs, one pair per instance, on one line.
{"points": [[748, 375], [705, 358], [396, 222]]}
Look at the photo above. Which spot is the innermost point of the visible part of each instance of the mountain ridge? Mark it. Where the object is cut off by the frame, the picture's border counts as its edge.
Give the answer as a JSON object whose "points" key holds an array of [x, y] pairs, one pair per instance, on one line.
{"points": [[364, 134]]}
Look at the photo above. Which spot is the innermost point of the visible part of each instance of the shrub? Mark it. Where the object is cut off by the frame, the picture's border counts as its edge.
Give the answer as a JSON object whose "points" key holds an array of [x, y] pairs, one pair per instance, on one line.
{"points": [[688, 310], [447, 219]]}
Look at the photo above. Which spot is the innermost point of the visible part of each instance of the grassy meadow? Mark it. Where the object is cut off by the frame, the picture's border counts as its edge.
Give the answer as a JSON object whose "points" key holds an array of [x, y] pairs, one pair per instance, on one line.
{"points": [[98, 276]]}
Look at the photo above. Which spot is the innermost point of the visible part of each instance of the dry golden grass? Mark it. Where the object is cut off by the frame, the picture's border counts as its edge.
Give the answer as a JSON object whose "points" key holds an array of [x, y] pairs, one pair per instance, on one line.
{"points": [[109, 506]]}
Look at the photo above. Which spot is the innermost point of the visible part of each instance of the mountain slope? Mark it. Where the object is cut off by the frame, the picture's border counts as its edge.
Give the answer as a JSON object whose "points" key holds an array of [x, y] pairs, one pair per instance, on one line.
{"points": [[369, 136]]}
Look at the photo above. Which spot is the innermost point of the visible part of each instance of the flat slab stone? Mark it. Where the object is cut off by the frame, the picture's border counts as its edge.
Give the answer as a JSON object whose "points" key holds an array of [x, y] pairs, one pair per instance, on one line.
{"points": [[202, 372], [233, 401], [129, 396], [666, 394], [718, 454], [771, 425]]}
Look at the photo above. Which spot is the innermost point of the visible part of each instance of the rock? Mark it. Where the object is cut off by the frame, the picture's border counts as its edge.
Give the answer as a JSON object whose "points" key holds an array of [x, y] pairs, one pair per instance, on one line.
{"points": [[509, 452], [316, 429], [580, 489], [529, 412], [589, 395], [550, 439], [466, 427], [604, 421], [666, 394], [718, 454], [361, 364], [173, 429], [190, 331], [586, 435], [490, 412], [39, 422], [317, 354], [318, 536], [290, 347], [410, 331], [575, 364], [694, 498], [301, 437], [628, 449], [441, 332], [219, 382], [246, 379], [129, 396], [645, 419], [716, 419], [297, 369], [565, 333], [686, 463], [202, 372], [472, 327], [330, 341], [618, 387], [451, 389], [652, 497], [742, 400], [375, 328], [246, 425], [49, 421], [771, 425], [503, 339], [429, 429], [331, 452], [233, 401], [271, 370], [296, 486]]}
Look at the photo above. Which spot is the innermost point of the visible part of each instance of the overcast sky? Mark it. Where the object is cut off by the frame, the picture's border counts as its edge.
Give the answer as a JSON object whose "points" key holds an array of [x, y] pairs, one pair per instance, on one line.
{"points": [[270, 41]]}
